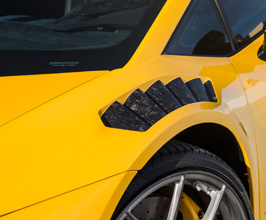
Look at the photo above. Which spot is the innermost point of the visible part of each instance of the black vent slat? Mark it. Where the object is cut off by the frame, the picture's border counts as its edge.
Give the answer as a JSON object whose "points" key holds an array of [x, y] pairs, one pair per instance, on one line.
{"points": [[198, 90], [118, 116], [181, 91], [163, 97], [145, 107], [141, 110], [210, 91]]}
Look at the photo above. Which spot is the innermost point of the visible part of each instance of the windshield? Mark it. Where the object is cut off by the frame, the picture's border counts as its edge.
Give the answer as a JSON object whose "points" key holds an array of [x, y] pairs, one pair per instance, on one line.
{"points": [[49, 36]]}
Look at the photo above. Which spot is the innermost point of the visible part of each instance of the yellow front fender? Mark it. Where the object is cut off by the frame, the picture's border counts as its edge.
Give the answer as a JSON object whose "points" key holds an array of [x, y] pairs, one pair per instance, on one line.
{"points": [[63, 144]]}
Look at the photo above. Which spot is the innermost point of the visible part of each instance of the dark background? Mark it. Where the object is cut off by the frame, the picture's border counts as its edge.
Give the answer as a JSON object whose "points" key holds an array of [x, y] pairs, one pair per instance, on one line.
{"points": [[42, 8]]}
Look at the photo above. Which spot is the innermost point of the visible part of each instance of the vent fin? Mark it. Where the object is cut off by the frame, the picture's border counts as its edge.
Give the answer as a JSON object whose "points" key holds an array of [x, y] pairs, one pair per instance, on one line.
{"points": [[181, 91], [197, 88], [163, 97], [142, 110], [118, 116], [210, 91], [144, 106]]}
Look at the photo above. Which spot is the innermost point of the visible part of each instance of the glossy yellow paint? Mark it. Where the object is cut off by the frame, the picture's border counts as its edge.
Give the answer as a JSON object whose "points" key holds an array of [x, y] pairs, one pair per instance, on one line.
{"points": [[78, 141], [252, 72], [62, 144], [95, 201], [20, 94], [165, 23]]}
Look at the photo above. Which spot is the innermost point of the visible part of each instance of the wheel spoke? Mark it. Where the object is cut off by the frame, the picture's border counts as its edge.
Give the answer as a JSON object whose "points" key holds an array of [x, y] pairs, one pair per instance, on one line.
{"points": [[130, 216], [173, 211], [216, 197]]}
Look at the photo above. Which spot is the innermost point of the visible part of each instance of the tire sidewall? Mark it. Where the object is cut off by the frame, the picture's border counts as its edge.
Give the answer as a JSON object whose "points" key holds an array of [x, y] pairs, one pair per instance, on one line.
{"points": [[195, 160]]}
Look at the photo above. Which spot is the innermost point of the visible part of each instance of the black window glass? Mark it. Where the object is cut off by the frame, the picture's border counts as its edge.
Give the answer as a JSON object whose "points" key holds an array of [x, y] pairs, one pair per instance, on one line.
{"points": [[52, 36], [200, 32], [246, 18]]}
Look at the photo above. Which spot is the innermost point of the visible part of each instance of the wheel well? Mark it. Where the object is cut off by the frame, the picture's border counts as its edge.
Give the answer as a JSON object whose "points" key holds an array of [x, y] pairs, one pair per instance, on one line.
{"points": [[219, 141]]}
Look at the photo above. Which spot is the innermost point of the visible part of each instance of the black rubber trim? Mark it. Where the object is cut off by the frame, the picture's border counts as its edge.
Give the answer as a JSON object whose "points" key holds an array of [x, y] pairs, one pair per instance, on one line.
{"points": [[227, 25], [141, 110]]}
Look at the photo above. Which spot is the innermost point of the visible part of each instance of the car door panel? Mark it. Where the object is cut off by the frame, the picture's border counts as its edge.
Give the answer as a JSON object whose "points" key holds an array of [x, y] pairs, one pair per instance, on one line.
{"points": [[252, 73]]}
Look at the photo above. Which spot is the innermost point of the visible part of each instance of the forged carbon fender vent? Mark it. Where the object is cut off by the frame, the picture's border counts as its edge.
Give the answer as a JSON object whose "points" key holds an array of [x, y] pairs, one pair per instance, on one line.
{"points": [[141, 110]]}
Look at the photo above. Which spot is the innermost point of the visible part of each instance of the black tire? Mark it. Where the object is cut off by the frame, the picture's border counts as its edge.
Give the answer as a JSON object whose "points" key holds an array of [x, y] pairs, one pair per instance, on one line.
{"points": [[196, 172]]}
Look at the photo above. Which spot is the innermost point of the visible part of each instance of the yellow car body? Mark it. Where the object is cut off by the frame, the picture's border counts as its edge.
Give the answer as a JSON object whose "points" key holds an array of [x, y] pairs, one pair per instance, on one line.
{"points": [[59, 160]]}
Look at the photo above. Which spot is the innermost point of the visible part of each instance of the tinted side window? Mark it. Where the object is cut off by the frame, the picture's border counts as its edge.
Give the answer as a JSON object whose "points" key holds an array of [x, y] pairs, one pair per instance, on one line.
{"points": [[38, 38], [246, 18], [200, 32]]}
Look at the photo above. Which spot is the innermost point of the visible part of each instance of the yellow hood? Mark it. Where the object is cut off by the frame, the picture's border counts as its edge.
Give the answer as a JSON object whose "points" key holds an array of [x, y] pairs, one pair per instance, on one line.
{"points": [[20, 94]]}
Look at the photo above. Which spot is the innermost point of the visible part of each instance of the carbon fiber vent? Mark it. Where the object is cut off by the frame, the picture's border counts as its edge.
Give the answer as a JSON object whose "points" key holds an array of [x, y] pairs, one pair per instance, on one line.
{"points": [[143, 109]]}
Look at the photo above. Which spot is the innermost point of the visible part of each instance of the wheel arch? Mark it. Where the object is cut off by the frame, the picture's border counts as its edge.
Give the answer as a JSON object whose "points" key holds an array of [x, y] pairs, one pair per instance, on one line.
{"points": [[217, 123], [218, 131], [220, 141], [173, 160]]}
